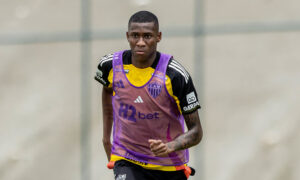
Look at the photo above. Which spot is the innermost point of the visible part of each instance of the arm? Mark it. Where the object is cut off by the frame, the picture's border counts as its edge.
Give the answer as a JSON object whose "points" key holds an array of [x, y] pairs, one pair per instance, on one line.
{"points": [[190, 138], [107, 119]]}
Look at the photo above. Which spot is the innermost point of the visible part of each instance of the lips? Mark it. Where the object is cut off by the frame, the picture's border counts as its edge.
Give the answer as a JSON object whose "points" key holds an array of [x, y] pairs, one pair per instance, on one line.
{"points": [[140, 52]]}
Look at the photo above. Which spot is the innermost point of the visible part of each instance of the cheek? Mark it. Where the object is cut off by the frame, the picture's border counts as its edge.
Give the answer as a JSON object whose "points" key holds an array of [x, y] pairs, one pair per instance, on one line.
{"points": [[153, 44], [131, 43]]}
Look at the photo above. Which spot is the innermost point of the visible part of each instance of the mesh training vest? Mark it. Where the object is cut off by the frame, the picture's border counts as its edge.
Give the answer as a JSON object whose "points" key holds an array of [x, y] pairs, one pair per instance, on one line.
{"points": [[143, 113]]}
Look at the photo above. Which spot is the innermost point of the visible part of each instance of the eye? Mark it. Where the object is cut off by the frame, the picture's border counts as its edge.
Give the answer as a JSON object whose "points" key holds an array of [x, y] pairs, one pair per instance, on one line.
{"points": [[148, 36], [135, 35]]}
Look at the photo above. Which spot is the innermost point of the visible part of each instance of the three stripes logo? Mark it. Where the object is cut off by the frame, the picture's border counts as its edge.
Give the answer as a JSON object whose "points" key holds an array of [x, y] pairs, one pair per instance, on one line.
{"points": [[179, 68], [106, 58], [138, 100]]}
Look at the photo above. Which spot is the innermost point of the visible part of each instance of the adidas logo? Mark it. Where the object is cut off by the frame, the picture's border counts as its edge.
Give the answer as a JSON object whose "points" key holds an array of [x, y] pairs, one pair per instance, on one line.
{"points": [[138, 100]]}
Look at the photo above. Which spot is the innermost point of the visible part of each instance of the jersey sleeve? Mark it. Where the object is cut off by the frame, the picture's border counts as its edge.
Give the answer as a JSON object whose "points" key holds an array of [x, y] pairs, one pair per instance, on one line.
{"points": [[104, 67], [183, 87]]}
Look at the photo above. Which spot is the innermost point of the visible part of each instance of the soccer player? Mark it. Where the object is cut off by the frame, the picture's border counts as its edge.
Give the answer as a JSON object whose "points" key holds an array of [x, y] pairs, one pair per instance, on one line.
{"points": [[146, 98]]}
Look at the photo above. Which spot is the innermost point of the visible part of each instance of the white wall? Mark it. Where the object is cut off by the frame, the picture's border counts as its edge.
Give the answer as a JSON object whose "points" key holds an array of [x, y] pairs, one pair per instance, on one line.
{"points": [[250, 89]]}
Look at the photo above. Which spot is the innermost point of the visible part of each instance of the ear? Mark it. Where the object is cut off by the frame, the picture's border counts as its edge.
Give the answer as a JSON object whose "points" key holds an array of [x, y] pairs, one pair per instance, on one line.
{"points": [[159, 36]]}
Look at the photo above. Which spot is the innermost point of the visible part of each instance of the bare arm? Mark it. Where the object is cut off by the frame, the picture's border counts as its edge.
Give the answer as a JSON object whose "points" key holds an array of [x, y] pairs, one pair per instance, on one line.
{"points": [[190, 138], [107, 119]]}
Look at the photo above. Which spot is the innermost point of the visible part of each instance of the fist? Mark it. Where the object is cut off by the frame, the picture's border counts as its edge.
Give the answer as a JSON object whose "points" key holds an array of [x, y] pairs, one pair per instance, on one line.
{"points": [[159, 148]]}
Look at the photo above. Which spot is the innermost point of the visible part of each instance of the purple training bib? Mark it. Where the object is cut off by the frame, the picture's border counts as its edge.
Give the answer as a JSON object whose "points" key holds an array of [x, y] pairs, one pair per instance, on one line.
{"points": [[143, 113]]}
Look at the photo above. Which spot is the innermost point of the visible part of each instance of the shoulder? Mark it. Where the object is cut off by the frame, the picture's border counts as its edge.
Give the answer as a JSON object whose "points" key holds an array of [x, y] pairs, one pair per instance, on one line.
{"points": [[176, 71], [105, 65], [105, 61], [104, 68]]}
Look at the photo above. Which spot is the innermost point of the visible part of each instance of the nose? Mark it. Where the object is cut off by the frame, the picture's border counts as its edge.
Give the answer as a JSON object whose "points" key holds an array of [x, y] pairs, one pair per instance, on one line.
{"points": [[141, 42]]}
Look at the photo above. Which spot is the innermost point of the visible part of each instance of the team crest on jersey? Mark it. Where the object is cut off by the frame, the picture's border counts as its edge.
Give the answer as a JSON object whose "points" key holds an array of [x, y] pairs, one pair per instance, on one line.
{"points": [[154, 89]]}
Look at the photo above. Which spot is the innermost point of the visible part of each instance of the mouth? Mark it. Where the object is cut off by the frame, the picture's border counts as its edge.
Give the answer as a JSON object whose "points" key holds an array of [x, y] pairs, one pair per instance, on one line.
{"points": [[139, 52]]}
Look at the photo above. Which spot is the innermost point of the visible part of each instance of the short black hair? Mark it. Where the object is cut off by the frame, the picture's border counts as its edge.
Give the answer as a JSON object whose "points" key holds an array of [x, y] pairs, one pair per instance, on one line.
{"points": [[142, 17]]}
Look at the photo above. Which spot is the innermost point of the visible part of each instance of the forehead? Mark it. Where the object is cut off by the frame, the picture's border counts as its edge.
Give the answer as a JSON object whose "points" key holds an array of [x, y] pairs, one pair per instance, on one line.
{"points": [[145, 26]]}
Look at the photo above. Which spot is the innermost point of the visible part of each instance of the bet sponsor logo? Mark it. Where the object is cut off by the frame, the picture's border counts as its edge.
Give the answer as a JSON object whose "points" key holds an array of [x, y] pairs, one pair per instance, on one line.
{"points": [[130, 113], [148, 116]]}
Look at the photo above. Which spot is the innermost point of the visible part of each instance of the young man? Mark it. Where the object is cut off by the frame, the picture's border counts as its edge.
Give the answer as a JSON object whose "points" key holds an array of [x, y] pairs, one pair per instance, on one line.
{"points": [[147, 96]]}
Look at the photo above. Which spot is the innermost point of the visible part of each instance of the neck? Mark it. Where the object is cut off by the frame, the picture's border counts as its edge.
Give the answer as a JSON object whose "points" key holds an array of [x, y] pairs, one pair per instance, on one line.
{"points": [[140, 62]]}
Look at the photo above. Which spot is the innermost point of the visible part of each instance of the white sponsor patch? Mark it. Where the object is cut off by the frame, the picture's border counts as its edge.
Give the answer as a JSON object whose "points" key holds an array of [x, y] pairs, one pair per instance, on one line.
{"points": [[101, 80], [191, 98], [99, 73], [121, 177], [191, 106]]}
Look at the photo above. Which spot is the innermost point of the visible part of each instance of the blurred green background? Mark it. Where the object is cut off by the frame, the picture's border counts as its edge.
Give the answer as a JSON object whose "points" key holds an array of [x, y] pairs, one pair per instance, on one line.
{"points": [[243, 57]]}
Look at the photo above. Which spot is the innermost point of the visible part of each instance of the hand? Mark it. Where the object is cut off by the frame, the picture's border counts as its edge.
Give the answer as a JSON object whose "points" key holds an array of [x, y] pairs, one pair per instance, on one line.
{"points": [[159, 148]]}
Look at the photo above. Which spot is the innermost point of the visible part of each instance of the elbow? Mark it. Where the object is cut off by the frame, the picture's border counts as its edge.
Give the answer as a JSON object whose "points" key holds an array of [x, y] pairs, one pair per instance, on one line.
{"points": [[198, 136]]}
